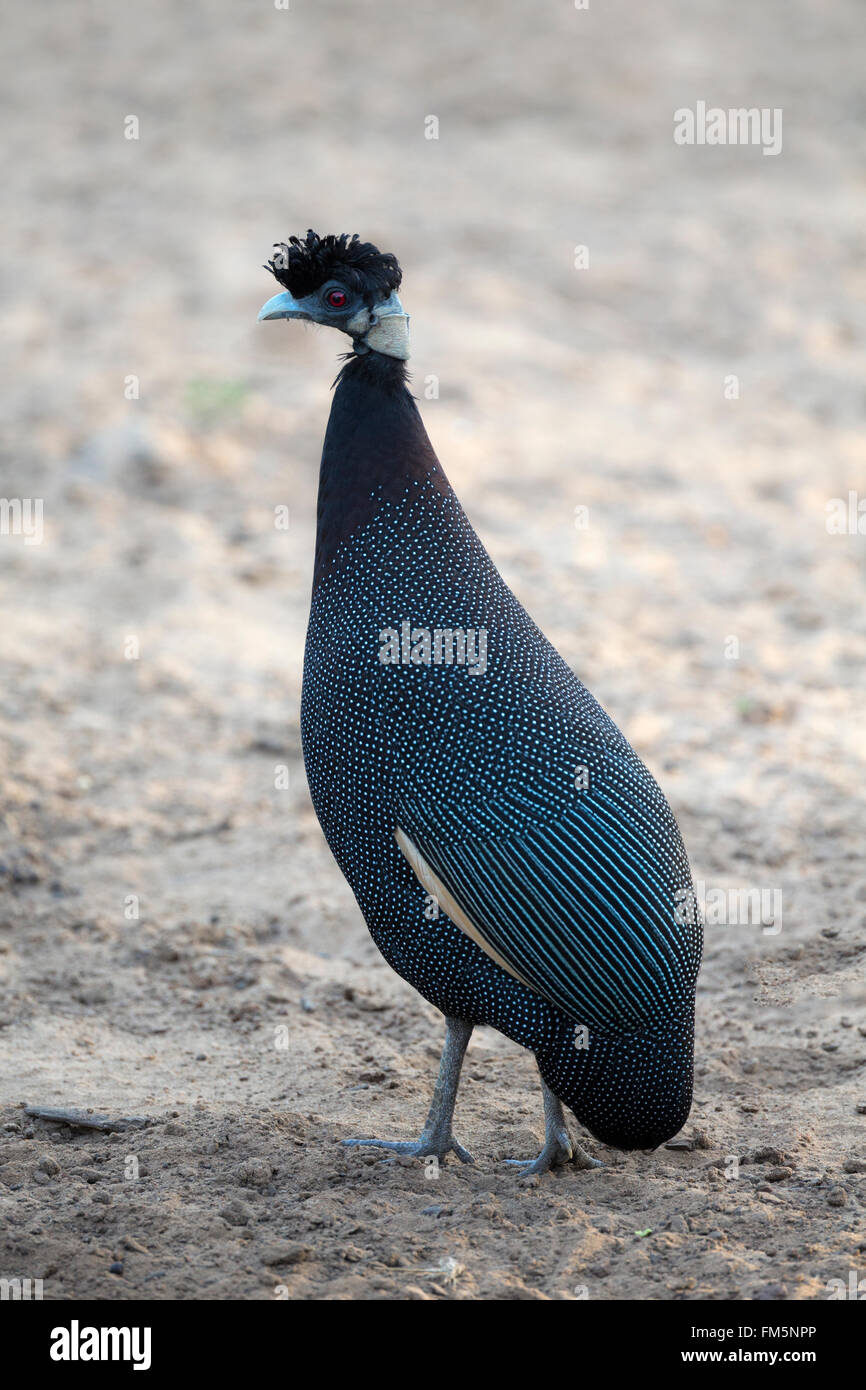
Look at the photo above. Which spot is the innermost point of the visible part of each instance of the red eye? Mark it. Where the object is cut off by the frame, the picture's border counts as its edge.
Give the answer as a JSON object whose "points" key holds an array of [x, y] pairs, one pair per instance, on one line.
{"points": [[336, 298]]}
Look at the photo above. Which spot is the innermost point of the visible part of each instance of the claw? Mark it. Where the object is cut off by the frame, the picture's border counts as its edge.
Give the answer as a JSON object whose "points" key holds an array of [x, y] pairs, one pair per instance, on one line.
{"points": [[557, 1152], [419, 1148], [583, 1160]]}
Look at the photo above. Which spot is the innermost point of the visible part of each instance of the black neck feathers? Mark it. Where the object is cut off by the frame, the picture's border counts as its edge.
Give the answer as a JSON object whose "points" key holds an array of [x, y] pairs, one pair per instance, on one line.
{"points": [[375, 448], [375, 371]]}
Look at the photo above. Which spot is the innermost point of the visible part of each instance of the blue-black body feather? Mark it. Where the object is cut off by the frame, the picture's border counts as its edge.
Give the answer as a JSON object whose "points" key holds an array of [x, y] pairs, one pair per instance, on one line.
{"points": [[513, 784]]}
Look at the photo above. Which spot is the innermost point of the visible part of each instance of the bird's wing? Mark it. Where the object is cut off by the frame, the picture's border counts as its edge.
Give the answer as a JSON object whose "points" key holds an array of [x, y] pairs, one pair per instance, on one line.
{"points": [[581, 907]]}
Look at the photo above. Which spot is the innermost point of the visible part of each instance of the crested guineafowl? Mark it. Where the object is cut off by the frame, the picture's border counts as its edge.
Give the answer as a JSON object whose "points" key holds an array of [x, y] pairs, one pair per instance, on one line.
{"points": [[514, 859]]}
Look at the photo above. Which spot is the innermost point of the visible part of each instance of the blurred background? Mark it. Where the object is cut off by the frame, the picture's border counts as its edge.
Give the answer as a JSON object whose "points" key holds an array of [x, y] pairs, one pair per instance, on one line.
{"points": [[670, 337]]}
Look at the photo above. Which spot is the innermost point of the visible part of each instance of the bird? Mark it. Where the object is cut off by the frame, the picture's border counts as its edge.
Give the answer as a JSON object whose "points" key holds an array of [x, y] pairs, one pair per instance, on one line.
{"points": [[514, 859]]}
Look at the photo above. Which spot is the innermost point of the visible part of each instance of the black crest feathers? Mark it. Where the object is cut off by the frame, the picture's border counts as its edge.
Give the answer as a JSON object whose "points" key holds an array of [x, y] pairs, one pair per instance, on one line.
{"points": [[303, 264]]}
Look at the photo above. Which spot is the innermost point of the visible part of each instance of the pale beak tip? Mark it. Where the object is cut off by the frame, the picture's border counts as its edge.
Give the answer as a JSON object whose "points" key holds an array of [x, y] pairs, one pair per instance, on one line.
{"points": [[281, 306]]}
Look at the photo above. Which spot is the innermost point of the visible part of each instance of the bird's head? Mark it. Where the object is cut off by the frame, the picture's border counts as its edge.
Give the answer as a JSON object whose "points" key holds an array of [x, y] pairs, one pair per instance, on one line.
{"points": [[341, 282], [630, 1090]]}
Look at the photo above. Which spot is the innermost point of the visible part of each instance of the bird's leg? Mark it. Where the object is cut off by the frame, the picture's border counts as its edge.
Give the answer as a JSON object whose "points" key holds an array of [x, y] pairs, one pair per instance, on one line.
{"points": [[436, 1138], [559, 1147]]}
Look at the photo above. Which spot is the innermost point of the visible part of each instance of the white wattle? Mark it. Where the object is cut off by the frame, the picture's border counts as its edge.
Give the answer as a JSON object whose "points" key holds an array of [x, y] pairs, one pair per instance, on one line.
{"points": [[390, 335]]}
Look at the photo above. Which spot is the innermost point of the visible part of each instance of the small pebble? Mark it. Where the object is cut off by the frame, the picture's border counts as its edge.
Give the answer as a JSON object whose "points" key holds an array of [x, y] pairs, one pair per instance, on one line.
{"points": [[236, 1213], [289, 1253], [255, 1172], [768, 1155]]}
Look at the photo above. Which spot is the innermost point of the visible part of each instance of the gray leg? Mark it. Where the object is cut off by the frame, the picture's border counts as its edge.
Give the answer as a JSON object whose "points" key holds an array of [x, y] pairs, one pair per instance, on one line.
{"points": [[559, 1147], [437, 1137]]}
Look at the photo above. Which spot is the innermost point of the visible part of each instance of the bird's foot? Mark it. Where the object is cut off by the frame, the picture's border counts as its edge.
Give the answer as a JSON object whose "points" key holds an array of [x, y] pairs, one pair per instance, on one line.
{"points": [[428, 1146], [558, 1150]]}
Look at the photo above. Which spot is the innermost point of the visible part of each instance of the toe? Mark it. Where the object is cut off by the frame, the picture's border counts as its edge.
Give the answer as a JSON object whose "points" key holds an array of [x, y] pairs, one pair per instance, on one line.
{"points": [[415, 1148], [396, 1146], [583, 1160], [555, 1154], [463, 1154]]}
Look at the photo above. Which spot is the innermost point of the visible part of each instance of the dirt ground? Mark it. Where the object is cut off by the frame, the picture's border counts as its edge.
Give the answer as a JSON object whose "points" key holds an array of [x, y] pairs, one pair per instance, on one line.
{"points": [[176, 942]]}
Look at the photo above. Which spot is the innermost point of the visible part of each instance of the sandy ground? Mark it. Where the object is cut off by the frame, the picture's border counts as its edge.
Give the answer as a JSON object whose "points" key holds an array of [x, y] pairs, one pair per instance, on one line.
{"points": [[176, 942]]}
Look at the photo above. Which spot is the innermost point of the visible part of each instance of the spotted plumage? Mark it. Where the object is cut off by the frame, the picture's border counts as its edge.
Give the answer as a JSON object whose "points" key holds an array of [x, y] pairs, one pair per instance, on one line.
{"points": [[512, 856]]}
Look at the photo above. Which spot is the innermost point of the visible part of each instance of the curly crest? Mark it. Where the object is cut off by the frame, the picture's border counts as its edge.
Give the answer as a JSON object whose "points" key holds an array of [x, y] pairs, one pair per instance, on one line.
{"points": [[302, 265]]}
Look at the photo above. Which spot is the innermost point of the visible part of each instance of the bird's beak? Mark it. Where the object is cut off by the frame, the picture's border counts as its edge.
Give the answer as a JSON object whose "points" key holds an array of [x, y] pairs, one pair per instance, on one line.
{"points": [[282, 306]]}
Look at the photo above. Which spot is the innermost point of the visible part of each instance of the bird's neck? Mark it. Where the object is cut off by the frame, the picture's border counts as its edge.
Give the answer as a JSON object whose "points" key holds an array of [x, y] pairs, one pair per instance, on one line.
{"points": [[375, 447]]}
